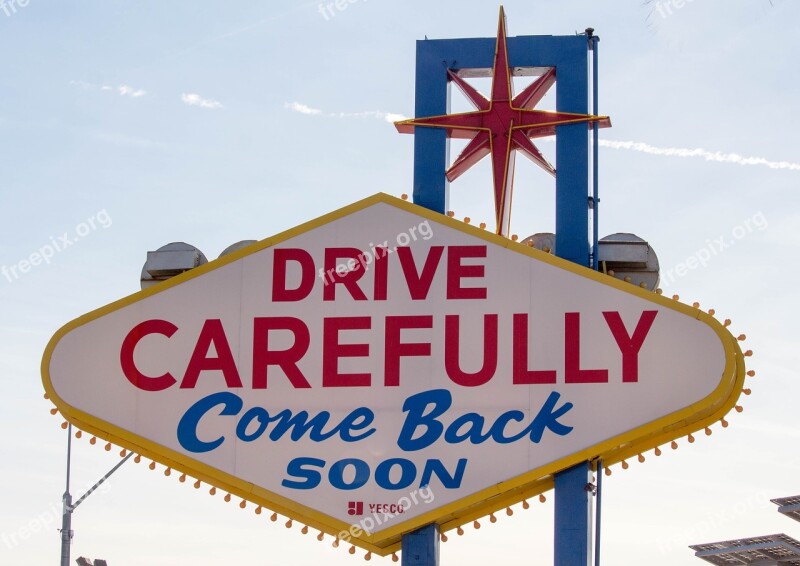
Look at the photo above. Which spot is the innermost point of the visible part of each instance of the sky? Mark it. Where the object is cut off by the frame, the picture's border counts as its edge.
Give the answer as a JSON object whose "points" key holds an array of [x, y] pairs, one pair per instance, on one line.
{"points": [[128, 125]]}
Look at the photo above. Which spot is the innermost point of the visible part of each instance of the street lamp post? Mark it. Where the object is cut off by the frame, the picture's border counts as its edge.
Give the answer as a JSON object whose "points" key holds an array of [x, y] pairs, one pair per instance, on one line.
{"points": [[66, 516], [69, 508]]}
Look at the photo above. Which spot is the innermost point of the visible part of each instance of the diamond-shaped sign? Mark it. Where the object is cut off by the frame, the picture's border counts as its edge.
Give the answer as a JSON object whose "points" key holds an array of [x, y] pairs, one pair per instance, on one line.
{"points": [[384, 367]]}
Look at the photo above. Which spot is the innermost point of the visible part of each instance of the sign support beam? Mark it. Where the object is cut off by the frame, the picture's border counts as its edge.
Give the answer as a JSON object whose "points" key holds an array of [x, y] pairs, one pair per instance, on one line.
{"points": [[421, 547], [573, 516], [573, 513]]}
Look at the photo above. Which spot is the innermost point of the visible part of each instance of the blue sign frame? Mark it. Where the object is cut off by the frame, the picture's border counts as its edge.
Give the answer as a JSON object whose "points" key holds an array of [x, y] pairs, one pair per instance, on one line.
{"points": [[569, 55]]}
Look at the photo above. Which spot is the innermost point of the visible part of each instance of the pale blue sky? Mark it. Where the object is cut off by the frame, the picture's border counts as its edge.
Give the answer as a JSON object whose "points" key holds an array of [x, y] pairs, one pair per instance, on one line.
{"points": [[173, 121]]}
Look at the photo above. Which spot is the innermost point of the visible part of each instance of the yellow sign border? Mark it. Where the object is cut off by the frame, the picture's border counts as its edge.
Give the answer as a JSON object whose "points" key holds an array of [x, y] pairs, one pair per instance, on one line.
{"points": [[681, 423]]}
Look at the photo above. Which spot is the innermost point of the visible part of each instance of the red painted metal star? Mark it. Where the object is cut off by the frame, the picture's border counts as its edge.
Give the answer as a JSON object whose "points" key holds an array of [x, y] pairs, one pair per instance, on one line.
{"points": [[501, 126]]}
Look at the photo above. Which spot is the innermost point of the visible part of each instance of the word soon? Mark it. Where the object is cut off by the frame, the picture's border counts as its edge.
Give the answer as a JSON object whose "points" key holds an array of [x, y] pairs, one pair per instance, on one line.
{"points": [[307, 472]]}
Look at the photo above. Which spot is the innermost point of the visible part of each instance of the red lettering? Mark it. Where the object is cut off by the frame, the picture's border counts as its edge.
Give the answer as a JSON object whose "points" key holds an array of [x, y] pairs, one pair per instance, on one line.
{"points": [[522, 375], [452, 349], [456, 271], [394, 349], [419, 284], [137, 378], [630, 345], [332, 350], [281, 257], [212, 333], [287, 359], [572, 354], [349, 278], [381, 273]]}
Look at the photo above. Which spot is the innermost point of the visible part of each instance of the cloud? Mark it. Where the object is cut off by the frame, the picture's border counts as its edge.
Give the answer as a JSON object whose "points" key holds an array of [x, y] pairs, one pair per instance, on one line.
{"points": [[301, 108], [386, 116], [122, 90], [125, 90], [699, 152], [194, 99], [389, 117], [305, 109]]}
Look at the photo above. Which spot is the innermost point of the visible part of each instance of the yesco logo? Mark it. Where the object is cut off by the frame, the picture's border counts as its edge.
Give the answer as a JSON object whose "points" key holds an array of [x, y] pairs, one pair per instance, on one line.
{"points": [[357, 508]]}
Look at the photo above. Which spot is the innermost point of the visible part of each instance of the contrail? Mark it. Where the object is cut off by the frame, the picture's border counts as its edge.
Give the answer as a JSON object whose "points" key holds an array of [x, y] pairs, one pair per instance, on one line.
{"points": [[717, 156], [309, 111], [699, 152]]}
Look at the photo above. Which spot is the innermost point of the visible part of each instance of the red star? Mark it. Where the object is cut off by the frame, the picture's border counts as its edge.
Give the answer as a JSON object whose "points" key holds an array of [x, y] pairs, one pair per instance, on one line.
{"points": [[501, 126]]}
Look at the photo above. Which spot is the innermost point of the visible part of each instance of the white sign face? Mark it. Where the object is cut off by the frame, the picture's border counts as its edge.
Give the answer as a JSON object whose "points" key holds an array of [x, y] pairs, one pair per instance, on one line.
{"points": [[391, 364]]}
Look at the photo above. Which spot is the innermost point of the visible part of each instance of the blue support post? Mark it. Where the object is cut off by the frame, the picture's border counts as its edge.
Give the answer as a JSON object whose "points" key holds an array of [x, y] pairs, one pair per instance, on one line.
{"points": [[593, 39], [431, 150], [568, 54], [598, 512], [573, 514], [572, 157], [421, 547], [572, 537]]}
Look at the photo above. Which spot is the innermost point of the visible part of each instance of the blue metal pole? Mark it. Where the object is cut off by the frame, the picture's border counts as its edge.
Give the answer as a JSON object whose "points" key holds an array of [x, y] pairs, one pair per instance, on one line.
{"points": [[572, 537], [598, 512], [595, 154], [573, 516], [431, 150], [572, 157], [421, 547]]}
